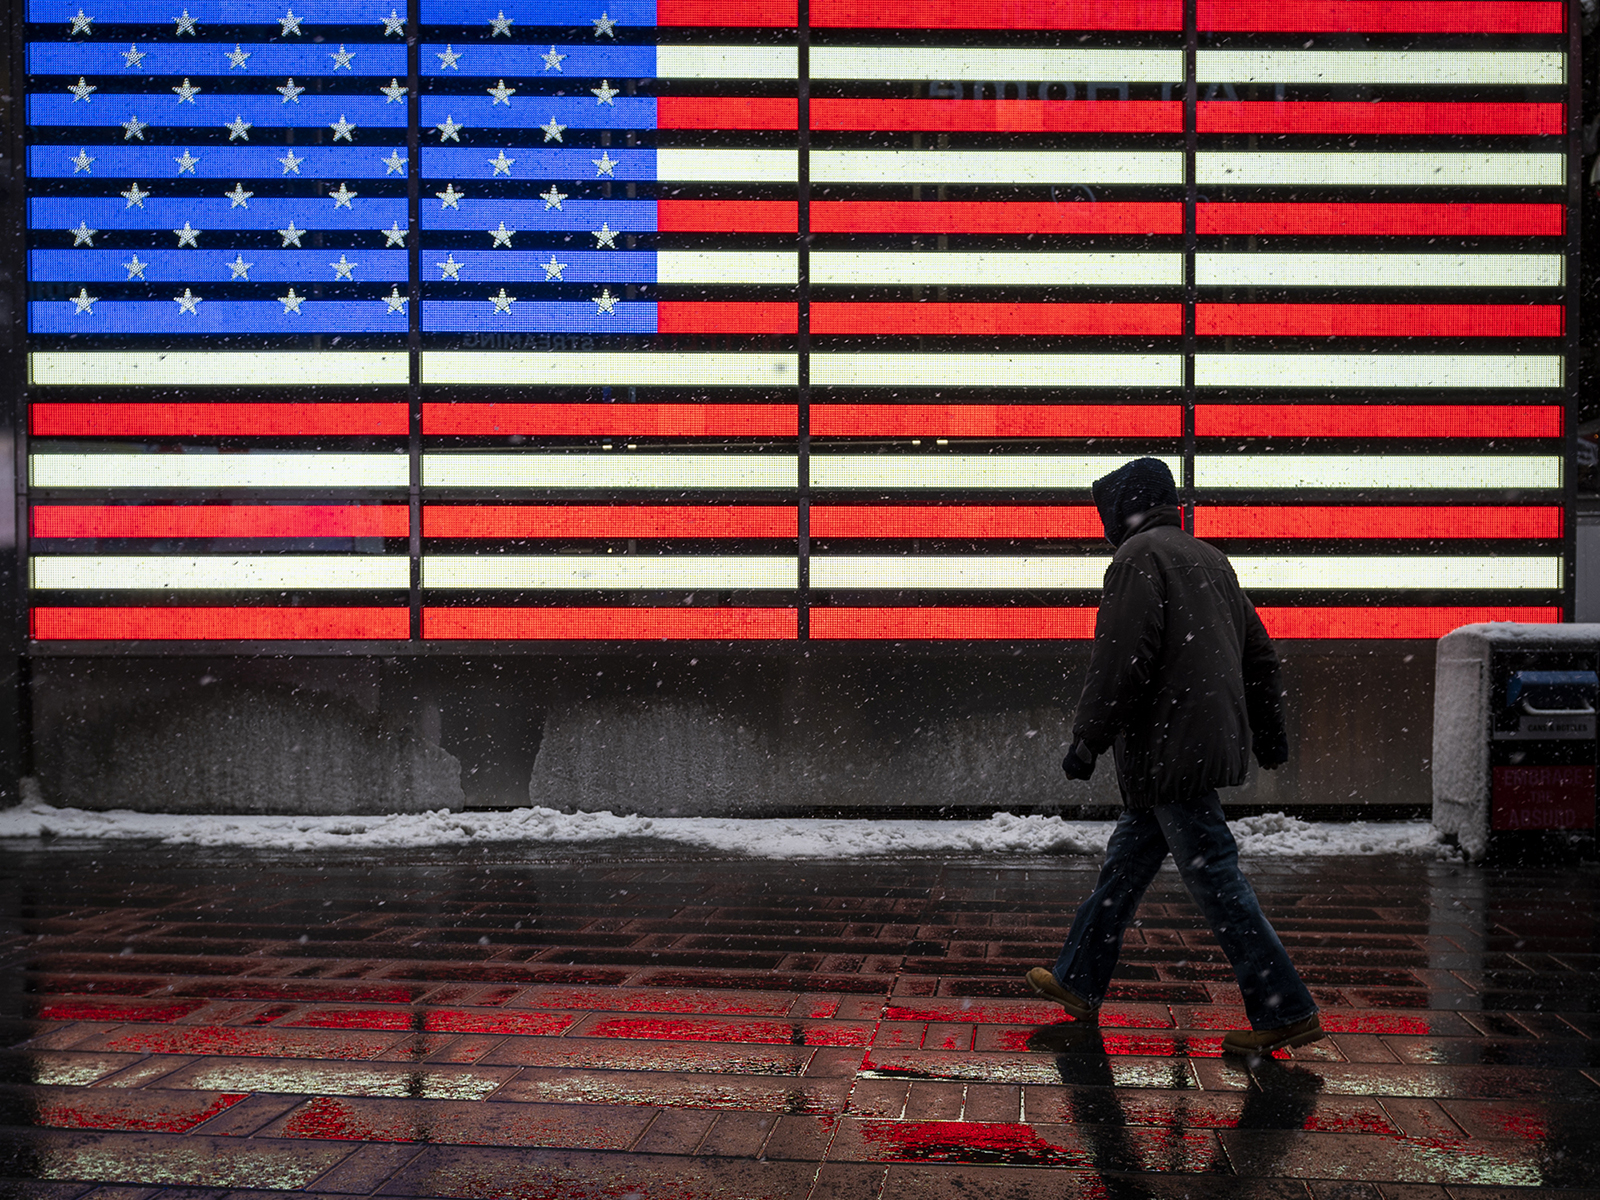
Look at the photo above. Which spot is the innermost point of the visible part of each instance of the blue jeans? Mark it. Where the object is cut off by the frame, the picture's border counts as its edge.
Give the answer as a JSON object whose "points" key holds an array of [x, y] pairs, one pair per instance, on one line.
{"points": [[1208, 860]]}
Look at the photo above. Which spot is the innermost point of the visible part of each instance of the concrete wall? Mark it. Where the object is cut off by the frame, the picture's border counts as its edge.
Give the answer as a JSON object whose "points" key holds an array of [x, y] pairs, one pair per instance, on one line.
{"points": [[1588, 592], [670, 733], [310, 736]]}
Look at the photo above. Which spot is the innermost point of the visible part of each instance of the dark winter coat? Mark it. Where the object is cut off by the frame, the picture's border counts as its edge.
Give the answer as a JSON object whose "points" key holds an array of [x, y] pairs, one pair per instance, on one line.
{"points": [[1182, 673]]}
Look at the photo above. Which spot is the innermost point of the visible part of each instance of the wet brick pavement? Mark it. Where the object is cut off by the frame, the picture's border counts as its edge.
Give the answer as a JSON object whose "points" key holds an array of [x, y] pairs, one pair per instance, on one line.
{"points": [[194, 1024]]}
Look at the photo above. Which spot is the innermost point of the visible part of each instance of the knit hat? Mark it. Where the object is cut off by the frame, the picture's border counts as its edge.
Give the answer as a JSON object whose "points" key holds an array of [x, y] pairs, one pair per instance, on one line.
{"points": [[1132, 489]]}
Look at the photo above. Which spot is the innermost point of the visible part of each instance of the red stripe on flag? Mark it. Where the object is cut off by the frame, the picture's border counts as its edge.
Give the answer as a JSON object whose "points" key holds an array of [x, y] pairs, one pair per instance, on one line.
{"points": [[1311, 116], [726, 316], [607, 624], [748, 13], [214, 420], [997, 420], [727, 216], [219, 521], [947, 624], [1416, 220], [1001, 116], [609, 521], [1381, 16], [1399, 521], [219, 624], [1005, 14], [1379, 320], [998, 319], [614, 420], [1377, 420], [727, 112], [978, 216], [1427, 623], [950, 521]]}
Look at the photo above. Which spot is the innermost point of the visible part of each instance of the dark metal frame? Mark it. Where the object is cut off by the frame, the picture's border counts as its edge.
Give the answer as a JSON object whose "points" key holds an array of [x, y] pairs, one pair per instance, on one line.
{"points": [[16, 744], [1569, 499], [13, 243]]}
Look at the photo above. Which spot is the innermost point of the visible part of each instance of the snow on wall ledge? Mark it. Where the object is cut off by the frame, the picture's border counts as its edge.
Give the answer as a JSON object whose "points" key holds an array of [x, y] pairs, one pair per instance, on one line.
{"points": [[1273, 835]]}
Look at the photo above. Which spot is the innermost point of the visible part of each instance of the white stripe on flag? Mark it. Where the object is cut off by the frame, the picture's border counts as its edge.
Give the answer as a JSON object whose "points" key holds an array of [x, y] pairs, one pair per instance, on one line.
{"points": [[957, 471], [728, 266], [1386, 572], [1017, 63], [608, 571], [116, 572], [472, 469], [1040, 167], [215, 368], [857, 267], [1338, 471], [1054, 572], [578, 370], [1427, 67], [743, 166], [1343, 371], [218, 470], [727, 62], [1418, 169], [997, 370], [1212, 269]]}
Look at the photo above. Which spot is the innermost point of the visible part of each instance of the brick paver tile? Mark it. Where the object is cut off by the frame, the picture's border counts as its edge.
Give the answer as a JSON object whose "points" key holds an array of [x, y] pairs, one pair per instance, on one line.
{"points": [[1344, 1157], [51, 1155], [554, 1175], [675, 1131], [738, 1135], [849, 1181], [365, 1171]]}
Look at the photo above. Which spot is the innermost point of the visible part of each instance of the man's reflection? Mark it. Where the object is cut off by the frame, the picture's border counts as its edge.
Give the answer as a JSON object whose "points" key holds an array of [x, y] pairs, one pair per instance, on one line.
{"points": [[1283, 1098]]}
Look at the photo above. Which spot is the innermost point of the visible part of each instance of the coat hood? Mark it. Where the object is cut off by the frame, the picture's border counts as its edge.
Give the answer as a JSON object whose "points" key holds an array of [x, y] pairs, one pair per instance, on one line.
{"points": [[1131, 490]]}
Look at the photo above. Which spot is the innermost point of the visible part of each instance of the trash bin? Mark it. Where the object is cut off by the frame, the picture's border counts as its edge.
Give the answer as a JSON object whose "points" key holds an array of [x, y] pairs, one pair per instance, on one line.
{"points": [[1514, 737]]}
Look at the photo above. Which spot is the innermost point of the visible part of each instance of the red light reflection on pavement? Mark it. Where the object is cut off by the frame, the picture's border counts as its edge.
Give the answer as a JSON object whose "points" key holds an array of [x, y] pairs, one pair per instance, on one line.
{"points": [[118, 1110], [254, 1043], [467, 1124], [435, 1021], [80, 1010], [1020, 1014], [1333, 1021], [1146, 1045], [1514, 1121], [999, 1143], [765, 1032], [1383, 1022], [325, 1117], [1333, 1114], [673, 1000]]}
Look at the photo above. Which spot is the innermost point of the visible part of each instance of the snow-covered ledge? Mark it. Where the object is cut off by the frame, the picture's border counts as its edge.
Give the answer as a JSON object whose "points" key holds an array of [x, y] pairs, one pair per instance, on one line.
{"points": [[1461, 686]]}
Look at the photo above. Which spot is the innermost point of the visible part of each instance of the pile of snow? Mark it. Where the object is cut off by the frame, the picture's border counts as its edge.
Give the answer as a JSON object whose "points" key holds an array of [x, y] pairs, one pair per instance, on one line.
{"points": [[1273, 835]]}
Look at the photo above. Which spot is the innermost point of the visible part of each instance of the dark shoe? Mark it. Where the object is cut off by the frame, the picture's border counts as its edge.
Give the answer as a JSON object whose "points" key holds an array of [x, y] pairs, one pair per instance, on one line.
{"points": [[1265, 1041], [1044, 984]]}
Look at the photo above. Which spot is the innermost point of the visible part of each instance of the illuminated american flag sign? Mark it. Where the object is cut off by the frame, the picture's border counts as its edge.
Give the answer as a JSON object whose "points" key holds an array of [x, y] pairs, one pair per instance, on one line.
{"points": [[720, 320]]}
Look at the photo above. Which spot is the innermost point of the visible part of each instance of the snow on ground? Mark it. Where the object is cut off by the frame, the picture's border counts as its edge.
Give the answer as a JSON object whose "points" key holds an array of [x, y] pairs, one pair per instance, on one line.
{"points": [[1274, 834]]}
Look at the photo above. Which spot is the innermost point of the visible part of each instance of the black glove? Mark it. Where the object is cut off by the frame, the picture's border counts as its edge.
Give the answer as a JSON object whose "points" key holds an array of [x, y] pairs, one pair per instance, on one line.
{"points": [[1079, 762], [1271, 753]]}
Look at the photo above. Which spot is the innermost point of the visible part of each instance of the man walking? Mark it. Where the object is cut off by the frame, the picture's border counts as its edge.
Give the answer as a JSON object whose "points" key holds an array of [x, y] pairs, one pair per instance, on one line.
{"points": [[1183, 682]]}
